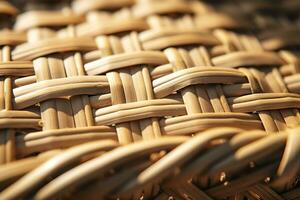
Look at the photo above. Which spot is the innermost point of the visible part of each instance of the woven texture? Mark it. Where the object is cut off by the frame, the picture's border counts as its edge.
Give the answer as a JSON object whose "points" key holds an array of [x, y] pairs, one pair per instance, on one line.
{"points": [[150, 99]]}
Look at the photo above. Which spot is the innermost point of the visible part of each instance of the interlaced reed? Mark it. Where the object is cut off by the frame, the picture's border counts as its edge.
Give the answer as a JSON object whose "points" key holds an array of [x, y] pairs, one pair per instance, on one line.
{"points": [[150, 99]]}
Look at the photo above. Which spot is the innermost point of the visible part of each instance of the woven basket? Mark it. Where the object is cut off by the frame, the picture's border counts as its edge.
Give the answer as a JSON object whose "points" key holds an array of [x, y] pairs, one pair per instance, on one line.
{"points": [[150, 99]]}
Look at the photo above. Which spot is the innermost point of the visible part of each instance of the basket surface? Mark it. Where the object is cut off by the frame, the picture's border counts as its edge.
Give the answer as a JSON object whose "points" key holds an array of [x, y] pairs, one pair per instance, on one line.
{"points": [[150, 99]]}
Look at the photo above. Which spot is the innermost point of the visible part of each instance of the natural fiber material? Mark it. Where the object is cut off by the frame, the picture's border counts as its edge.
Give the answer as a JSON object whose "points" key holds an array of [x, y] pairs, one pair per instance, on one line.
{"points": [[150, 99]]}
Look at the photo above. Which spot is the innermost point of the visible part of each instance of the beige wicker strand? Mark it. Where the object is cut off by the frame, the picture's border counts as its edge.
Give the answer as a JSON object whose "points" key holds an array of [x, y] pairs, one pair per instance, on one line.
{"points": [[139, 80], [7, 136], [63, 112], [241, 142]]}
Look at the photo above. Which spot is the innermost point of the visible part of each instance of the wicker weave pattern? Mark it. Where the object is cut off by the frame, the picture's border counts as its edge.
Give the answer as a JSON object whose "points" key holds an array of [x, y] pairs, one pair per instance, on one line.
{"points": [[113, 99]]}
